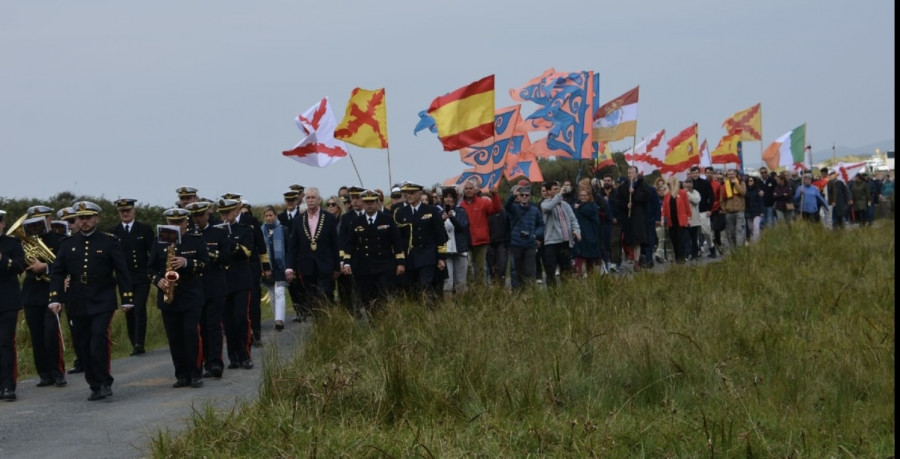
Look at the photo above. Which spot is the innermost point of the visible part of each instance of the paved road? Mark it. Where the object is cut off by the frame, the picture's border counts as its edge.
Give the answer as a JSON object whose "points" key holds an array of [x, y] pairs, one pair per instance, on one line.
{"points": [[50, 422]]}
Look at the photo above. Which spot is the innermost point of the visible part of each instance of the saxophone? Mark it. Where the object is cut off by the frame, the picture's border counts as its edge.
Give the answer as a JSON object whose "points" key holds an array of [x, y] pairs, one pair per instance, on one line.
{"points": [[171, 276]]}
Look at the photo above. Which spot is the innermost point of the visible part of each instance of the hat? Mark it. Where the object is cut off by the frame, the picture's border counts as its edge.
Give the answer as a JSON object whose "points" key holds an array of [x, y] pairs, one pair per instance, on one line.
{"points": [[199, 207], [368, 196], [235, 196], [291, 195], [395, 190], [39, 211], [297, 188], [186, 191], [125, 204], [409, 186], [176, 214], [355, 191], [66, 213], [85, 209], [226, 205], [523, 182]]}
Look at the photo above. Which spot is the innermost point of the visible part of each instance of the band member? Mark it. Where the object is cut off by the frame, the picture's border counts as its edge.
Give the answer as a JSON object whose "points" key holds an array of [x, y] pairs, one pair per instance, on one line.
{"points": [[348, 297], [373, 254], [12, 263], [95, 264], [176, 268], [422, 231], [215, 287], [293, 208], [186, 195], [136, 239], [46, 336], [313, 253], [67, 215], [259, 262], [235, 316]]}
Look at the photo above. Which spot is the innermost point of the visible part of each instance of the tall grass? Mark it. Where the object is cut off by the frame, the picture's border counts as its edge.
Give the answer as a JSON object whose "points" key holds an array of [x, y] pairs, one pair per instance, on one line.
{"points": [[785, 348]]}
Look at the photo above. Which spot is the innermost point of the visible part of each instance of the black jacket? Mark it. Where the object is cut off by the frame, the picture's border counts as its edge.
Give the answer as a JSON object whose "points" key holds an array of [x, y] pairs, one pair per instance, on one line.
{"points": [[96, 265], [308, 251], [189, 288], [373, 249], [12, 263], [136, 246], [423, 235]]}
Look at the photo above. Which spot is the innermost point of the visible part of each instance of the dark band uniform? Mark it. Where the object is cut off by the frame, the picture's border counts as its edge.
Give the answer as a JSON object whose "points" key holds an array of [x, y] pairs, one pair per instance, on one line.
{"points": [[287, 221], [136, 244], [373, 251], [43, 324], [96, 265], [349, 298], [235, 317], [181, 316], [215, 289], [259, 262], [425, 241], [12, 263]]}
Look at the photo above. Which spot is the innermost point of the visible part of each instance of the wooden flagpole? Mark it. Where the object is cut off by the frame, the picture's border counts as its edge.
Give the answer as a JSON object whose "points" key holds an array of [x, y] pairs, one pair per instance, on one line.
{"points": [[355, 169], [390, 178]]}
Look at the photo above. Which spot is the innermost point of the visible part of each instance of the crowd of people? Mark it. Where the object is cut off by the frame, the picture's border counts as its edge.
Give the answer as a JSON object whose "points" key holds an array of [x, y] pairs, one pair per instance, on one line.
{"points": [[357, 249]]}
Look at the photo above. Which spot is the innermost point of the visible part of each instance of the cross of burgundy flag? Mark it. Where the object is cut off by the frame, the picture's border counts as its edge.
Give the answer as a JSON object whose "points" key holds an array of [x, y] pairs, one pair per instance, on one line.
{"points": [[319, 148]]}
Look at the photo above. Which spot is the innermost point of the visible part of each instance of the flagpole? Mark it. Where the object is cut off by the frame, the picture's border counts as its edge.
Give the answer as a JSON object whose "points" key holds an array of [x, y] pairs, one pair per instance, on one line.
{"points": [[355, 169], [390, 179]]}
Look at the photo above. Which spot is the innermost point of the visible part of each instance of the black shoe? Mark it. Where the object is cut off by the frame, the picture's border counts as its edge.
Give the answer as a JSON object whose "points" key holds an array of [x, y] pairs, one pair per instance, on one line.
{"points": [[247, 364], [181, 383], [214, 372], [76, 369], [196, 382], [279, 325], [44, 382], [233, 365], [96, 395], [138, 350], [60, 382], [106, 391], [8, 395]]}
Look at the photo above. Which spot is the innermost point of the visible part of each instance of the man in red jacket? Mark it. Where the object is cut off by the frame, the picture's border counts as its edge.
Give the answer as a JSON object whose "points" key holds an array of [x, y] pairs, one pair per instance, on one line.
{"points": [[478, 208]]}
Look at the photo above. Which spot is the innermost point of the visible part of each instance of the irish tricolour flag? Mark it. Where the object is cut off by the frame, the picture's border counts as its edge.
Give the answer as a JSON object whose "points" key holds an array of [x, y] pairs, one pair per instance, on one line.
{"points": [[787, 151]]}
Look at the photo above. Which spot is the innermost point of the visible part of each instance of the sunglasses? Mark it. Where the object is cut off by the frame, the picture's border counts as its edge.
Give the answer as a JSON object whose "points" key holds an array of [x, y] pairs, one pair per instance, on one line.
{"points": [[524, 194], [332, 204]]}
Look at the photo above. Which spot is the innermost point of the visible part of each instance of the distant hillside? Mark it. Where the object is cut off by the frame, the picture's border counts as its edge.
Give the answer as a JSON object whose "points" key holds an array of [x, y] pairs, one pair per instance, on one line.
{"points": [[822, 154]]}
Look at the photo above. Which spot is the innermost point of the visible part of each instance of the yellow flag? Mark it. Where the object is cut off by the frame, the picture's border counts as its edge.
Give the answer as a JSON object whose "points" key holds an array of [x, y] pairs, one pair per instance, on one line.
{"points": [[365, 122]]}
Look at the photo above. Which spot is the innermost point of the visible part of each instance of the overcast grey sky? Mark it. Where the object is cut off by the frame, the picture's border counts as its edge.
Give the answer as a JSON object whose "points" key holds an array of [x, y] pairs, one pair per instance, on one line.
{"points": [[133, 99]]}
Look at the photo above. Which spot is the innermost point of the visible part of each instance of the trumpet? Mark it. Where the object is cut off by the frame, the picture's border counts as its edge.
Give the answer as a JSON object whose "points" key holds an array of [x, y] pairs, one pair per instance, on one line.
{"points": [[35, 249], [171, 275]]}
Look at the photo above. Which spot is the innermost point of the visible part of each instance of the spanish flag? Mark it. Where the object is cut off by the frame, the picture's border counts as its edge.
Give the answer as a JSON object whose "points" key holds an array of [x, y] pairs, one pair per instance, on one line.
{"points": [[682, 152], [746, 122], [727, 150], [365, 121], [466, 116]]}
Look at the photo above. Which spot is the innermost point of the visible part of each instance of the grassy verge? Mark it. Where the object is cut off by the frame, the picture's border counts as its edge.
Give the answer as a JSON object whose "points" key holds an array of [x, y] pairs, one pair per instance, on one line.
{"points": [[785, 348]]}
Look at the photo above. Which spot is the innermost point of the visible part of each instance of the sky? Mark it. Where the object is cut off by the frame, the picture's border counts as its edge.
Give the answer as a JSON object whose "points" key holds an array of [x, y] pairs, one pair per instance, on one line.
{"points": [[135, 99]]}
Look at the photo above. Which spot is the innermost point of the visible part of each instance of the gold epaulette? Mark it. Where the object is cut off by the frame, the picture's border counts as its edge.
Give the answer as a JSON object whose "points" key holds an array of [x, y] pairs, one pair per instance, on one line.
{"points": [[264, 258], [442, 248], [400, 256]]}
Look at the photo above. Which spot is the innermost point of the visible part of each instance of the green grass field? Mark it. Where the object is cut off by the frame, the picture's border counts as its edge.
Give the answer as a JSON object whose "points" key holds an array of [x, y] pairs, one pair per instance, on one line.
{"points": [[783, 349]]}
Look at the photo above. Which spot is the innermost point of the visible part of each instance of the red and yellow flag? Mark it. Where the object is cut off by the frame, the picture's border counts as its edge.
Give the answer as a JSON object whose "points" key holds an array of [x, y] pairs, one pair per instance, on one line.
{"points": [[727, 150], [365, 121], [466, 116], [747, 123], [682, 152]]}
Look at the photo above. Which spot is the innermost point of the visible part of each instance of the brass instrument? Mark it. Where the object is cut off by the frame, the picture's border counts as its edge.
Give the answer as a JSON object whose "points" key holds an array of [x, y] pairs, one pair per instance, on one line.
{"points": [[35, 249], [171, 275]]}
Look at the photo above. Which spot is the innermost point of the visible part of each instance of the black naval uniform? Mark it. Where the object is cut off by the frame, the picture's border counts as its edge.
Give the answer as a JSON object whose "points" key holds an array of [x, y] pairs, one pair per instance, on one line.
{"points": [[349, 298], [43, 324], [256, 268], [373, 251], [425, 239], [96, 265], [136, 244], [295, 289], [236, 315], [181, 317], [215, 289], [12, 263]]}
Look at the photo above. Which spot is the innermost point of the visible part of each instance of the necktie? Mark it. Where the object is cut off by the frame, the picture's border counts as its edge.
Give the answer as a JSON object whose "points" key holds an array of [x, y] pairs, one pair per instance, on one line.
{"points": [[290, 216], [127, 229], [563, 224], [371, 221]]}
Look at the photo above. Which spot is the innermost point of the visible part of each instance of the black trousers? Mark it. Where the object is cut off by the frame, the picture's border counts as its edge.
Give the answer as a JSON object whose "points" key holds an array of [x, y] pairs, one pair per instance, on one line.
{"points": [[183, 333], [374, 289], [8, 358], [557, 255], [92, 337], [255, 308], [46, 341], [136, 317], [236, 319], [211, 332], [346, 294], [422, 281], [318, 287]]}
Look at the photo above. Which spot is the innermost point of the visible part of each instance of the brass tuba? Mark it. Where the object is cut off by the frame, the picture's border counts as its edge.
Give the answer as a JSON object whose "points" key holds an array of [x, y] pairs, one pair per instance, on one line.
{"points": [[35, 249], [171, 275]]}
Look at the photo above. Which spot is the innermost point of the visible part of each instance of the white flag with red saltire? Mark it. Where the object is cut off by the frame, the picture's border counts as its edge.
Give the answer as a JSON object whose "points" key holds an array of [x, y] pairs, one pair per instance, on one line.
{"points": [[648, 155], [319, 148], [847, 171]]}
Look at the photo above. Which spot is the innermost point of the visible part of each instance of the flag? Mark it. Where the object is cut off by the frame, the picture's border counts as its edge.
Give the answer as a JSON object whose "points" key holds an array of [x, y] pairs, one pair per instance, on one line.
{"points": [[727, 150], [649, 154], [705, 160], [506, 151], [604, 156], [365, 121], [566, 104], [748, 122], [682, 152], [846, 171], [466, 116], [425, 122], [319, 148], [787, 150], [617, 119]]}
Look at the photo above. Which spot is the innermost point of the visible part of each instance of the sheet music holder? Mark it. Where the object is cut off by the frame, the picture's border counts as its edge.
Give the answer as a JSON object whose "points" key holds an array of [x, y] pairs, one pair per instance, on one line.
{"points": [[225, 226], [60, 227], [168, 234], [35, 226]]}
